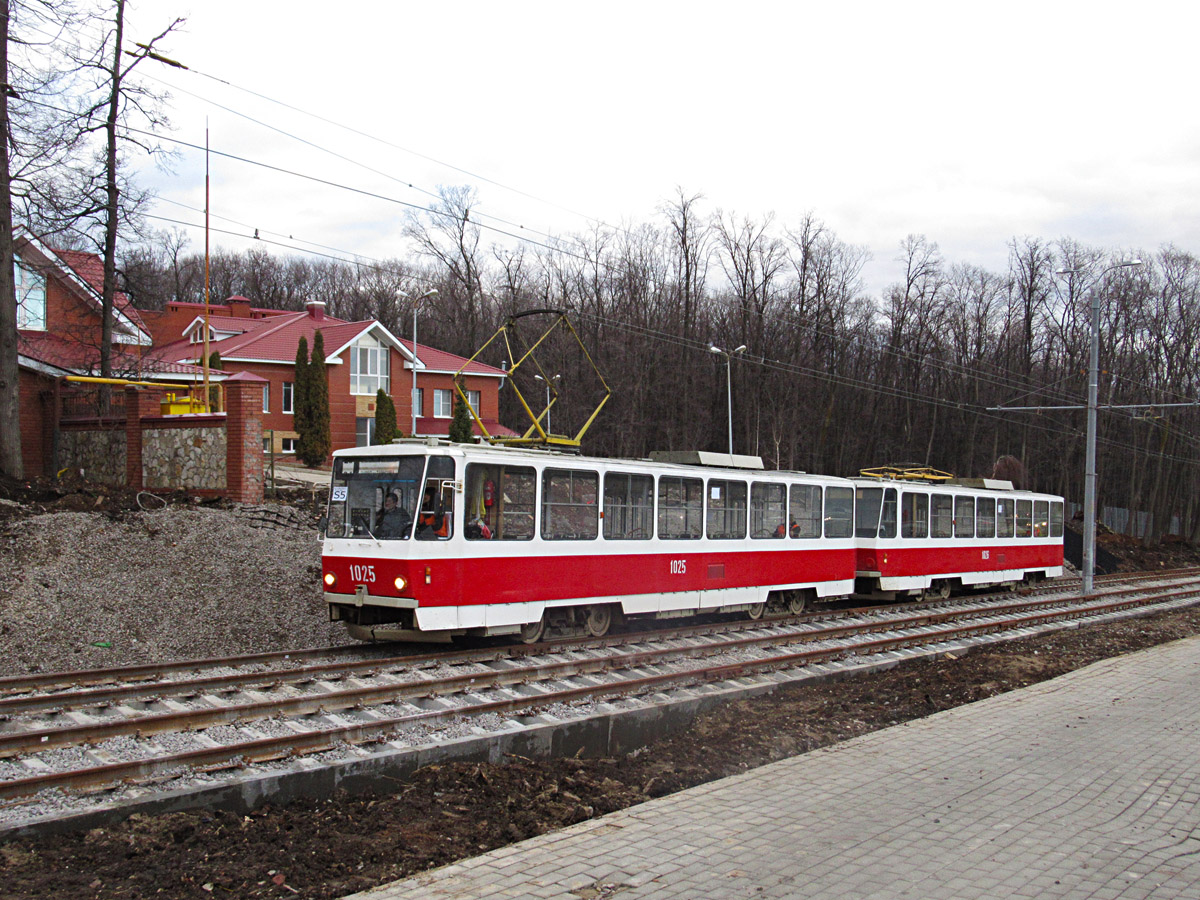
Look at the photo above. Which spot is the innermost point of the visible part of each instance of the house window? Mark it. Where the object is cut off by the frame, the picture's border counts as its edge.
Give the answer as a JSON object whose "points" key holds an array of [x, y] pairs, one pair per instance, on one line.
{"points": [[287, 397], [31, 298], [266, 398], [288, 445], [473, 397], [266, 445], [419, 402], [369, 367], [364, 431], [443, 403]]}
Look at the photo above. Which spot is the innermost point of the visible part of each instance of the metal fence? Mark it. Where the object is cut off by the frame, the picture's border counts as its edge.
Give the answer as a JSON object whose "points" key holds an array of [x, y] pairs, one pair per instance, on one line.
{"points": [[88, 402]]}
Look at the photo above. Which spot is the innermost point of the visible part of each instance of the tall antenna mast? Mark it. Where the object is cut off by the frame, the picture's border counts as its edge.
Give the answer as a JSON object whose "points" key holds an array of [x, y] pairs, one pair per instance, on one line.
{"points": [[207, 395]]}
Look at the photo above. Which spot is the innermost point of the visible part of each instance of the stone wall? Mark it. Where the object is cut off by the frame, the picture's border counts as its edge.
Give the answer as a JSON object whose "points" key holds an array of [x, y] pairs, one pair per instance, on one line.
{"points": [[184, 458], [99, 455]]}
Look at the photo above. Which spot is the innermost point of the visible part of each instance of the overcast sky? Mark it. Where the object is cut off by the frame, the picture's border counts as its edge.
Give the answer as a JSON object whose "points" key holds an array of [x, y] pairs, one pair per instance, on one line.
{"points": [[969, 123]]}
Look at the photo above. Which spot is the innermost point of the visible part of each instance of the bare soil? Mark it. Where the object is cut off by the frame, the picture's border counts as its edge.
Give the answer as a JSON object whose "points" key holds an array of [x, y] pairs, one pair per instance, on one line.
{"points": [[326, 849]]}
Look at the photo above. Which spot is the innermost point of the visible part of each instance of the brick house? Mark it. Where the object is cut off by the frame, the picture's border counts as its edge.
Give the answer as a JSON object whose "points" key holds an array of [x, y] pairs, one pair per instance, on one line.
{"points": [[361, 358], [59, 331]]}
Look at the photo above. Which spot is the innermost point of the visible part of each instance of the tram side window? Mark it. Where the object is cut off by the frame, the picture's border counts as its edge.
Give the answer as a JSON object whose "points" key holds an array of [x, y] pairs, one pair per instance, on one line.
{"points": [[964, 517], [867, 504], [941, 516], [768, 510], [1024, 518], [985, 517], [914, 515], [887, 520], [839, 512], [680, 507], [726, 509], [628, 507], [570, 505], [1056, 518], [1041, 518], [804, 511], [1004, 517], [501, 502]]}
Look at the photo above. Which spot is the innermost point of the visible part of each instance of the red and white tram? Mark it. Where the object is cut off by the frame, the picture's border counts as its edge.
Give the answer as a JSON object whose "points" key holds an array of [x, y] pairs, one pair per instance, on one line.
{"points": [[428, 540], [929, 538]]}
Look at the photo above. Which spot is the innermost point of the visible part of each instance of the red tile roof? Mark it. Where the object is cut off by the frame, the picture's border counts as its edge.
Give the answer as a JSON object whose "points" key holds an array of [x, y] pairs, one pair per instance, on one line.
{"points": [[275, 338], [90, 268], [84, 359], [436, 360]]}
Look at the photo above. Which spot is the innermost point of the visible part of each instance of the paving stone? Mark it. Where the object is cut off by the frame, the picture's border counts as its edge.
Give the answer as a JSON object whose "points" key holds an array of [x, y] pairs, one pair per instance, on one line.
{"points": [[1084, 786]]}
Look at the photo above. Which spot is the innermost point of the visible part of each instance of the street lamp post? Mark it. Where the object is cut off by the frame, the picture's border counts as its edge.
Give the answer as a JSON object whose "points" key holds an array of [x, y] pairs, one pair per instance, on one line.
{"points": [[548, 380], [1089, 478], [728, 354], [416, 301]]}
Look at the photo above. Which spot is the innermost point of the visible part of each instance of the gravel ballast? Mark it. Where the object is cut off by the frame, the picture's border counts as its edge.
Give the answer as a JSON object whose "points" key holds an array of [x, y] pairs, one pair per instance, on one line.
{"points": [[90, 589]]}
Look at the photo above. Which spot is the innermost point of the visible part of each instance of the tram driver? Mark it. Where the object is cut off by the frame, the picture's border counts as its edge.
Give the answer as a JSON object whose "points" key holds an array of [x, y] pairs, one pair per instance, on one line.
{"points": [[395, 521]]}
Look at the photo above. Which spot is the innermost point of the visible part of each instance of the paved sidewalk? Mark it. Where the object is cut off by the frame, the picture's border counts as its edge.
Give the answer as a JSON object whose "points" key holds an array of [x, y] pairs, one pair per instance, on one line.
{"points": [[1084, 786]]}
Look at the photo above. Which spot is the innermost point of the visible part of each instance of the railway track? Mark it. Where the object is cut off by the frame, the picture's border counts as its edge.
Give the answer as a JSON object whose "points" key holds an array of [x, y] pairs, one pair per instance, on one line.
{"points": [[151, 724]]}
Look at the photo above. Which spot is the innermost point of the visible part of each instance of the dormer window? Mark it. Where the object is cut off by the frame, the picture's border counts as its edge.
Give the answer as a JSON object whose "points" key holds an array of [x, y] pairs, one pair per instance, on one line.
{"points": [[31, 298], [369, 366]]}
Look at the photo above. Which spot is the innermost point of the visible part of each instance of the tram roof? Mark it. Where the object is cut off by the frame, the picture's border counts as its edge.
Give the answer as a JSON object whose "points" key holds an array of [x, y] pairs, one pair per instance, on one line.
{"points": [[676, 462]]}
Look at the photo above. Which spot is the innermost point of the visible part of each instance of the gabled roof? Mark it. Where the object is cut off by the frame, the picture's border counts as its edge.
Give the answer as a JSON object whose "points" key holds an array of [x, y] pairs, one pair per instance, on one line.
{"points": [[275, 338], [90, 268], [83, 273], [430, 359]]}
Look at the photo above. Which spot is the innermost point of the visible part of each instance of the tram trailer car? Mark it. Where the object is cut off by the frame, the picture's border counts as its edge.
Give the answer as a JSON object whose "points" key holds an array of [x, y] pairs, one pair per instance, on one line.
{"points": [[426, 540], [920, 539]]}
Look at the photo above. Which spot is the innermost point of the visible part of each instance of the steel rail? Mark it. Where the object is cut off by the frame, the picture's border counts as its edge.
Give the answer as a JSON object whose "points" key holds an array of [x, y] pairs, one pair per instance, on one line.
{"points": [[147, 691], [234, 756], [26, 683], [138, 681], [36, 740], [346, 700]]}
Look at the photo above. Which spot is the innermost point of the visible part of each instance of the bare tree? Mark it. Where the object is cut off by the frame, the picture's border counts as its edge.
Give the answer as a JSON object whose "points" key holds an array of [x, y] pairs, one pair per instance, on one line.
{"points": [[447, 237], [36, 139]]}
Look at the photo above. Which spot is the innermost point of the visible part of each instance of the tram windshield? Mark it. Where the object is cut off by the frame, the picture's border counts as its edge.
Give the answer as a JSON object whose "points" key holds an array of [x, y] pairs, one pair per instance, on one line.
{"points": [[375, 497]]}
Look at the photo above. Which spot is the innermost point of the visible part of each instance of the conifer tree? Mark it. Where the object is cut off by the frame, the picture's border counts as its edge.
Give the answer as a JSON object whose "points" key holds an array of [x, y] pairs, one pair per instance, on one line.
{"points": [[460, 425], [320, 440], [385, 418], [300, 413]]}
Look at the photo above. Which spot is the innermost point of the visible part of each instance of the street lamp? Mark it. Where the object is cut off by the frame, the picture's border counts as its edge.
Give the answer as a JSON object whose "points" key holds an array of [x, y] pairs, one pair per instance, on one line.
{"points": [[416, 301], [548, 380], [728, 354], [1089, 478]]}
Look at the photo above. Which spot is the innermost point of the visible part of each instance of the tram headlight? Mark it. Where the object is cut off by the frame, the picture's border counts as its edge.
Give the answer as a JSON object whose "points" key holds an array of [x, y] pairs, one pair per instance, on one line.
{"points": [[330, 579], [401, 582]]}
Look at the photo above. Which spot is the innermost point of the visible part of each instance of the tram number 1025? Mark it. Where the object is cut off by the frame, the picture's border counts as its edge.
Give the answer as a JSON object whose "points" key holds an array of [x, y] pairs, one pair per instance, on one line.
{"points": [[362, 574], [679, 567]]}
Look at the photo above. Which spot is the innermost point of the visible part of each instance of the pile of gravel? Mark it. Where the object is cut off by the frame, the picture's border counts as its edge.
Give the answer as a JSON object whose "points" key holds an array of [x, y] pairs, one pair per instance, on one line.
{"points": [[87, 590]]}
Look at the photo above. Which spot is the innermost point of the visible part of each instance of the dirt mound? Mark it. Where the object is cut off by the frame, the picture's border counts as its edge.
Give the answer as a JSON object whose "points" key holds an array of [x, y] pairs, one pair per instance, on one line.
{"points": [[1173, 552], [73, 494]]}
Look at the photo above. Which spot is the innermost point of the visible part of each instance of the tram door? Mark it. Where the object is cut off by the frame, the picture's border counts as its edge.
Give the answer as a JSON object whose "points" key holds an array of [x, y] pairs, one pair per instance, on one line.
{"points": [[436, 518]]}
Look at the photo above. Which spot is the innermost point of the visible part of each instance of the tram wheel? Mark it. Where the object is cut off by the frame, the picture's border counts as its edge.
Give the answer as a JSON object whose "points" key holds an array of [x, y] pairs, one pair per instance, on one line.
{"points": [[755, 610], [797, 602], [598, 619], [532, 632], [939, 590]]}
